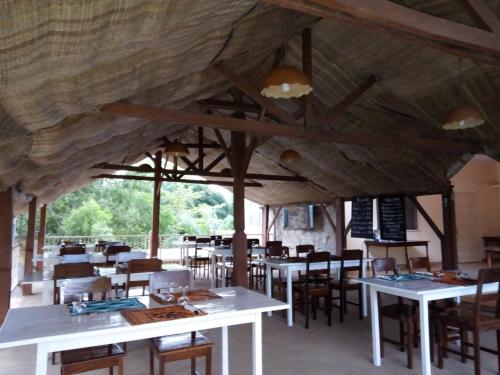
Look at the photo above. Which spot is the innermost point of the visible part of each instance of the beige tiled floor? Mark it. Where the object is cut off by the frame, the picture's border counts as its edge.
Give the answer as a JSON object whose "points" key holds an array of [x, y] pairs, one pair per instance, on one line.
{"points": [[343, 349]]}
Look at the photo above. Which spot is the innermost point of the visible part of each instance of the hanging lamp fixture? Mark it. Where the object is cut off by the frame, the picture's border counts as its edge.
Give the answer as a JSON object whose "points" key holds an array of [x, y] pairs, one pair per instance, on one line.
{"points": [[463, 116], [286, 82], [176, 149], [289, 155]]}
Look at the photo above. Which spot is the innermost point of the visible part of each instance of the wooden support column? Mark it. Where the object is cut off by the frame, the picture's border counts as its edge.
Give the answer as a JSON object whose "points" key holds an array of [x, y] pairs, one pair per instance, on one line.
{"points": [[449, 242], [340, 238], [155, 227], [6, 216], [41, 235], [238, 152], [30, 245], [265, 224]]}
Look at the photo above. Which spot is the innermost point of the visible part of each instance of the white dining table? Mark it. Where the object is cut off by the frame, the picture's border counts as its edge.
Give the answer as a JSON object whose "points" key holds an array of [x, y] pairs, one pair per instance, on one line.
{"points": [[53, 329], [423, 291], [116, 278], [224, 253], [290, 267]]}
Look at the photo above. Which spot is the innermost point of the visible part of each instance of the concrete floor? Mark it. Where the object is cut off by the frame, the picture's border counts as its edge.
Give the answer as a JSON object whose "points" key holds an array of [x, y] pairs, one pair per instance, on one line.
{"points": [[343, 349]]}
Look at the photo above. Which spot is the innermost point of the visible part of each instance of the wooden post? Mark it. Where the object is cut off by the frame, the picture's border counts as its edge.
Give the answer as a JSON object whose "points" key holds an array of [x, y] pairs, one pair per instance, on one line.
{"points": [[41, 235], [449, 242], [340, 238], [265, 224], [6, 216], [155, 226], [30, 245], [238, 152]]}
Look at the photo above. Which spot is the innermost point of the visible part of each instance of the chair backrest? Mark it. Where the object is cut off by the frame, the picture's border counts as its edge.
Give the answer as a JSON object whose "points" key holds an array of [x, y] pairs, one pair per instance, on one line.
{"points": [[70, 270], [277, 251], [252, 242], [355, 258], [227, 241], [215, 237], [189, 238], [75, 258], [304, 249], [274, 243], [72, 244], [386, 265], [486, 276], [203, 241], [312, 275], [74, 288], [128, 256], [115, 249], [161, 280], [144, 265], [67, 250], [416, 263]]}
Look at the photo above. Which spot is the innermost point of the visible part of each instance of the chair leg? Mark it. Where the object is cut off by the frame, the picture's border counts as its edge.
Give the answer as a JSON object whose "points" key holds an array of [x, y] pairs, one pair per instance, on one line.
{"points": [[121, 367], [477, 353], [498, 347], [208, 363], [409, 342], [151, 362], [401, 336], [381, 333], [360, 303], [442, 341], [162, 366], [111, 370], [463, 345], [328, 308], [341, 307], [306, 307], [193, 366]]}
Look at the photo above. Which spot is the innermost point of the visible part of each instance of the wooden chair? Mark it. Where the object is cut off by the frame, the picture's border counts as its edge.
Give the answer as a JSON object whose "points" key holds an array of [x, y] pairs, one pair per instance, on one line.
{"points": [[405, 314], [199, 261], [112, 251], [474, 318], [75, 258], [71, 250], [67, 271], [139, 266], [302, 250], [95, 358], [312, 288], [419, 263], [181, 346], [492, 257], [344, 285]]}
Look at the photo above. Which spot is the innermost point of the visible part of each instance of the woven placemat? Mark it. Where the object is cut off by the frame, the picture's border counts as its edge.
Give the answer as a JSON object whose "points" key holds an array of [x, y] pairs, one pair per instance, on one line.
{"points": [[456, 281], [193, 295], [104, 306], [159, 314]]}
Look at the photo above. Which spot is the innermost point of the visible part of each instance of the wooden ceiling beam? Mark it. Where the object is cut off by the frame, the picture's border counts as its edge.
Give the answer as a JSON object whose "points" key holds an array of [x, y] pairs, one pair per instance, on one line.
{"points": [[147, 178], [254, 176], [263, 128], [252, 92], [482, 15], [340, 108], [391, 16]]}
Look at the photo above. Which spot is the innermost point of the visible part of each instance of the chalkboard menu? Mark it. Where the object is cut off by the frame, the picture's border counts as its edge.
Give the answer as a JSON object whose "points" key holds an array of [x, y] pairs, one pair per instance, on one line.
{"points": [[362, 218], [391, 215]]}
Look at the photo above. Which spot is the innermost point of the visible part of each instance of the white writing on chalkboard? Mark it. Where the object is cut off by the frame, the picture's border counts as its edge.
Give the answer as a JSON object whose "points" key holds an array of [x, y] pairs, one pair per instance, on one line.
{"points": [[362, 218], [391, 213]]}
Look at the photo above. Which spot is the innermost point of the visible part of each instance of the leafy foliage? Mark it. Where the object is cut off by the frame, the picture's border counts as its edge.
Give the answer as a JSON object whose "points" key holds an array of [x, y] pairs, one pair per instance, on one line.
{"points": [[115, 207]]}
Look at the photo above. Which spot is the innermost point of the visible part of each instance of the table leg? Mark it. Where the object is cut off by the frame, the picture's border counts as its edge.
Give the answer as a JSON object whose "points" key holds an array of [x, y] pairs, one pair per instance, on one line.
{"points": [[363, 291], [257, 344], [425, 336], [223, 271], [269, 284], [41, 359], [213, 270], [225, 351], [406, 256], [289, 297], [375, 327], [387, 252], [46, 295]]}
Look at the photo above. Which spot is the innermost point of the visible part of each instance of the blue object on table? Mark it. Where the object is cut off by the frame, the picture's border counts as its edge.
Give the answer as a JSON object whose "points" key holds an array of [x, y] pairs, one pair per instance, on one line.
{"points": [[404, 277], [97, 307]]}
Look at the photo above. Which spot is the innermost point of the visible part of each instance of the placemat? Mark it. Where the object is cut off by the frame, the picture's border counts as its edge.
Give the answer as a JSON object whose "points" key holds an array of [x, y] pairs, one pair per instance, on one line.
{"points": [[159, 314], [455, 281], [97, 307], [193, 295], [403, 277]]}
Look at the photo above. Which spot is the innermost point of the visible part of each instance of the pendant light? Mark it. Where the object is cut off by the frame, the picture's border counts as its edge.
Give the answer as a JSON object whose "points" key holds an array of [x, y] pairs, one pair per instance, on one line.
{"points": [[176, 149], [286, 82], [289, 155], [462, 116]]}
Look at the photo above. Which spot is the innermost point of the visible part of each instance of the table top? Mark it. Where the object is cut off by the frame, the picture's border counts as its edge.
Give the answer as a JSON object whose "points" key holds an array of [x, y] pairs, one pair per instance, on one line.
{"points": [[395, 243], [31, 325], [229, 250], [416, 288], [298, 265]]}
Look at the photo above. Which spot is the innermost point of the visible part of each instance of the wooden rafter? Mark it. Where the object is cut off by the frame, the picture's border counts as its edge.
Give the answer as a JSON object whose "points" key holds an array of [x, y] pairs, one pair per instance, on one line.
{"points": [[148, 178], [216, 161], [340, 108], [482, 15], [328, 217], [307, 68], [263, 128], [387, 15], [224, 146], [254, 176], [426, 216], [252, 92], [274, 218]]}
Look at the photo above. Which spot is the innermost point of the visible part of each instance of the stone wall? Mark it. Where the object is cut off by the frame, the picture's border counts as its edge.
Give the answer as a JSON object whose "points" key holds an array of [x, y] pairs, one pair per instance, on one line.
{"points": [[322, 237]]}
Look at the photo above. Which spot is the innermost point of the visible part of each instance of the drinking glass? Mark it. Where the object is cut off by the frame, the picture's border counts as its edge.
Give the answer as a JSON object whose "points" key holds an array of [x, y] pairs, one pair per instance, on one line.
{"points": [[184, 298], [170, 297]]}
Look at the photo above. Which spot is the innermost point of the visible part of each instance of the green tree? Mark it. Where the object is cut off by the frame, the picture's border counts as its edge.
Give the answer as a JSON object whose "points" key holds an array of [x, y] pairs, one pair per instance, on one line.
{"points": [[87, 220]]}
